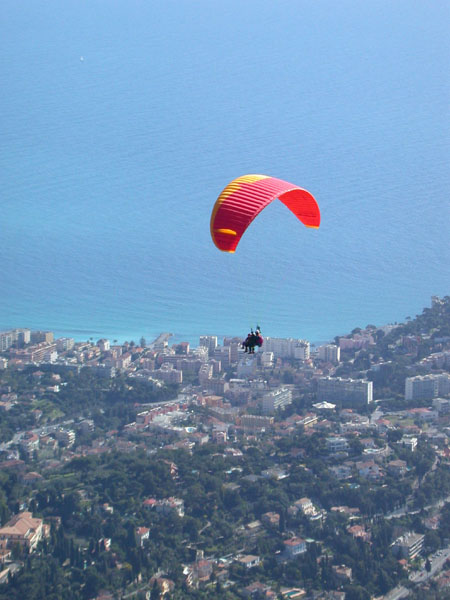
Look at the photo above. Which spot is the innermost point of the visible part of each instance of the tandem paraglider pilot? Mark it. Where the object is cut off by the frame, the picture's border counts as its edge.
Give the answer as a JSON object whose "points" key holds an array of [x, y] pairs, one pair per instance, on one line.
{"points": [[252, 340]]}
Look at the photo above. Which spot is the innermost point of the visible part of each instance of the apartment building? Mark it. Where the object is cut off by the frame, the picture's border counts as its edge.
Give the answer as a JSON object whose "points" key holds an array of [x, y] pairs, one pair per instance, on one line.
{"points": [[350, 393], [19, 336], [38, 337], [330, 353], [356, 342], [427, 387], [168, 374], [63, 344], [276, 399], [205, 373], [222, 354], [42, 352], [409, 545], [255, 422], [287, 348], [209, 342]]}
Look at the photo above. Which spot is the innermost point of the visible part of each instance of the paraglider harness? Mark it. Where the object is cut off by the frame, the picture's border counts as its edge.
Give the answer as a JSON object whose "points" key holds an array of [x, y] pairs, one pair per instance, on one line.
{"points": [[252, 340]]}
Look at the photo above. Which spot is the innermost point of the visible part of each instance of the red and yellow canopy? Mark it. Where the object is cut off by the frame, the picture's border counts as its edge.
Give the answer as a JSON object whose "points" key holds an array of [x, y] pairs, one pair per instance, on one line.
{"points": [[245, 197]]}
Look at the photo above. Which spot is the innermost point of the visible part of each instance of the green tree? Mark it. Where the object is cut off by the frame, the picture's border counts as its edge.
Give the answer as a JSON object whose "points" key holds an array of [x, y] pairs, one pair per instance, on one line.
{"points": [[356, 592]]}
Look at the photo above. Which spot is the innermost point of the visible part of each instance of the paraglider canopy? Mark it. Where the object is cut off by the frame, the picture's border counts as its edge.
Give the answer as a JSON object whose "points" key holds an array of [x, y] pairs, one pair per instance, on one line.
{"points": [[245, 197]]}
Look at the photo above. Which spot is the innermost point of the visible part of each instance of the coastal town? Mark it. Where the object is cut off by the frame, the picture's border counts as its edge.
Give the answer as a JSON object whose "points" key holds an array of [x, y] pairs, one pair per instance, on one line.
{"points": [[148, 470]]}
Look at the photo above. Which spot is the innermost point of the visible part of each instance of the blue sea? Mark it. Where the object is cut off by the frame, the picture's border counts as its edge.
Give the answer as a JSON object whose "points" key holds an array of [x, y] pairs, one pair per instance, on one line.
{"points": [[122, 120]]}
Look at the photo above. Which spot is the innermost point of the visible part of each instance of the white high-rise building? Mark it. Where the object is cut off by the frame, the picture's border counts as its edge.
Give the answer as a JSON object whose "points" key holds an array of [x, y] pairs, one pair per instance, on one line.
{"points": [[409, 545], [276, 399], [6, 340], [287, 348], [22, 336], [350, 393], [427, 387], [63, 344], [209, 342], [330, 353]]}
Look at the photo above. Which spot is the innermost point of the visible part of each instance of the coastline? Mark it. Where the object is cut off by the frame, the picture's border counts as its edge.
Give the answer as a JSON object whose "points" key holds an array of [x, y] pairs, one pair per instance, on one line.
{"points": [[86, 335]]}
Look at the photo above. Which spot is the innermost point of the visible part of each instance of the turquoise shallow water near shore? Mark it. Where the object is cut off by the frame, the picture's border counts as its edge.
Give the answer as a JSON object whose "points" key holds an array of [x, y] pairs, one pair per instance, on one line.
{"points": [[122, 122]]}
